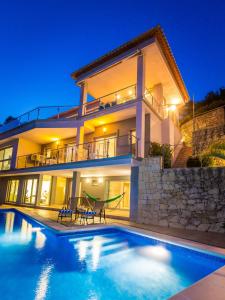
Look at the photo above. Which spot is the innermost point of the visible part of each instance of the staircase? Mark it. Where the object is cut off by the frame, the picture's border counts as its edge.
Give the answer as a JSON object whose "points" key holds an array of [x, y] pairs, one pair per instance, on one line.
{"points": [[182, 157]]}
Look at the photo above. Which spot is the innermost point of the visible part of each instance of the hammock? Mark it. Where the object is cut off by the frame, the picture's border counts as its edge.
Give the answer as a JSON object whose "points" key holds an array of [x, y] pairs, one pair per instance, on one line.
{"points": [[106, 201]]}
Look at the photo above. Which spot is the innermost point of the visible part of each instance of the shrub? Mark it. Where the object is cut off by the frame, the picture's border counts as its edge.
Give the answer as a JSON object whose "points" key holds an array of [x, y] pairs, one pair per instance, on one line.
{"points": [[207, 160], [161, 150]]}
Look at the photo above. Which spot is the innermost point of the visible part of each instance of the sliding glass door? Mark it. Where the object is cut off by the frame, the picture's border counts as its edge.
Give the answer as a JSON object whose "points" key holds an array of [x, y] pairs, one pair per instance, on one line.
{"points": [[12, 191], [30, 191]]}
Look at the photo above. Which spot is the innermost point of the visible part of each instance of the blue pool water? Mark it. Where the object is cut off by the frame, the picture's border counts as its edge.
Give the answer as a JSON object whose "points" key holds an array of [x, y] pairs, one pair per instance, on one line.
{"points": [[35, 263]]}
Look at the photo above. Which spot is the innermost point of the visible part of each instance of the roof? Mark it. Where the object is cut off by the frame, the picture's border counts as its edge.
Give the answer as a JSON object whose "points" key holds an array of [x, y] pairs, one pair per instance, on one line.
{"points": [[155, 32]]}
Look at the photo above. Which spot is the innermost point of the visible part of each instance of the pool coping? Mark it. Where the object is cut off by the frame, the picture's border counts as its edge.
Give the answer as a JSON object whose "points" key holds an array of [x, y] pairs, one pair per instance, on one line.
{"points": [[210, 287]]}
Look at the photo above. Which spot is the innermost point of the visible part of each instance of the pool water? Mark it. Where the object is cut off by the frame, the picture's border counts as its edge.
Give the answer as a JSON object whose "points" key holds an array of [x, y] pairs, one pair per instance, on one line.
{"points": [[38, 264]]}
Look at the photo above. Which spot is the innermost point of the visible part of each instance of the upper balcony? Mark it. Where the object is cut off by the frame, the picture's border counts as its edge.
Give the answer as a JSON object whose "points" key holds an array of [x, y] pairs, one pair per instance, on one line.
{"points": [[39, 114], [101, 148]]}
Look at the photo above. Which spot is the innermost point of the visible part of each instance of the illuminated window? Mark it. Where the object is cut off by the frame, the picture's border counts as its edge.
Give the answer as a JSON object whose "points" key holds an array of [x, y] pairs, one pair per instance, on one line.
{"points": [[5, 158], [117, 188], [45, 190], [30, 191], [12, 190]]}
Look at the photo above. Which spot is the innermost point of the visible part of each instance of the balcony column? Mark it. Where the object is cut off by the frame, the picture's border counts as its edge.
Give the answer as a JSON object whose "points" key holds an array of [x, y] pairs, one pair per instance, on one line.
{"points": [[140, 109], [83, 98], [75, 190], [80, 142], [140, 76]]}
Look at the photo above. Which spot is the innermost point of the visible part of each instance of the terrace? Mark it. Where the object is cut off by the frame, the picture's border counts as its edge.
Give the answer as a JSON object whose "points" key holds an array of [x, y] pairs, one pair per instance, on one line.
{"points": [[99, 149]]}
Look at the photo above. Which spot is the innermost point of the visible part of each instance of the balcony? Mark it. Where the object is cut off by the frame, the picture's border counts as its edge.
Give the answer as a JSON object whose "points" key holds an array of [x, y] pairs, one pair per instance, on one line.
{"points": [[99, 149], [39, 113], [116, 98]]}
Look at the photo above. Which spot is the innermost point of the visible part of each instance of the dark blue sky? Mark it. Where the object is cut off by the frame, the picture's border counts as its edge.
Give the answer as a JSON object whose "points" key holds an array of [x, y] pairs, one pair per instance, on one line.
{"points": [[43, 41]]}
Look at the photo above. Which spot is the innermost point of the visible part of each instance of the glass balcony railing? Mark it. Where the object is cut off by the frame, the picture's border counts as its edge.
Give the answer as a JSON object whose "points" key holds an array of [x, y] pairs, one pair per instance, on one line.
{"points": [[100, 148], [39, 113], [110, 100]]}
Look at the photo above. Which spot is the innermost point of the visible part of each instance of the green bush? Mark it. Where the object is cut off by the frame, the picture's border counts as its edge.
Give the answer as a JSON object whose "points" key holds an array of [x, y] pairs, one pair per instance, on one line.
{"points": [[161, 150], [207, 160]]}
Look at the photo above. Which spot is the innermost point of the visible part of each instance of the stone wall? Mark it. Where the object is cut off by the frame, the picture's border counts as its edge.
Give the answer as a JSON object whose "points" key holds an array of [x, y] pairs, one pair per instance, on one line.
{"points": [[191, 198], [204, 138], [210, 119]]}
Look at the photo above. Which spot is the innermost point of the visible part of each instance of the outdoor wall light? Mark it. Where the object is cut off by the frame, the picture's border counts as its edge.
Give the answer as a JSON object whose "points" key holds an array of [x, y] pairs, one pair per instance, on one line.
{"points": [[88, 180], [104, 129], [100, 180]]}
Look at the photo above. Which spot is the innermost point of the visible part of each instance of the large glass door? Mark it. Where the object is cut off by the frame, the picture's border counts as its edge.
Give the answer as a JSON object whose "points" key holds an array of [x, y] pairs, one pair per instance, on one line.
{"points": [[105, 147], [30, 191], [45, 190], [12, 190], [117, 188]]}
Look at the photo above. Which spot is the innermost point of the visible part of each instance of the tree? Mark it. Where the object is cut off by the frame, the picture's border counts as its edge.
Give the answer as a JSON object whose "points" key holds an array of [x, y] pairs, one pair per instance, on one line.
{"points": [[9, 119]]}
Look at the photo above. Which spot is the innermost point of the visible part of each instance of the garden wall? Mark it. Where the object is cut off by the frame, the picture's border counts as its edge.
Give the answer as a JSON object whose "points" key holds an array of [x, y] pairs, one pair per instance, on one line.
{"points": [[191, 198], [211, 119]]}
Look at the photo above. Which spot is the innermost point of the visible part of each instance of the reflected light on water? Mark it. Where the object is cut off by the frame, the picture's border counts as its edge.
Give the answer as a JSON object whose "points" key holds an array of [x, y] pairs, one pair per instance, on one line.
{"points": [[96, 251], [91, 249], [9, 224], [82, 249], [40, 240], [43, 282], [158, 253], [26, 231]]}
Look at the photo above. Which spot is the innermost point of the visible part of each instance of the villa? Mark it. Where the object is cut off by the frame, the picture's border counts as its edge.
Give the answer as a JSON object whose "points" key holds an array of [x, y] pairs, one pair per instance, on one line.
{"points": [[129, 98], [165, 235]]}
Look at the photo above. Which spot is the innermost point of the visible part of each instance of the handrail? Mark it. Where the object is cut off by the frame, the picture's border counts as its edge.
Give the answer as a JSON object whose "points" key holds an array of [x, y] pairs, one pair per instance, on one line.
{"points": [[110, 102], [38, 113], [63, 155]]}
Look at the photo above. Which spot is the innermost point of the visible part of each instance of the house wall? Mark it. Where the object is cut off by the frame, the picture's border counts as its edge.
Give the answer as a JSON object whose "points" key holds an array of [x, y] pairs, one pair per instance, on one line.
{"points": [[192, 198], [99, 190], [26, 147]]}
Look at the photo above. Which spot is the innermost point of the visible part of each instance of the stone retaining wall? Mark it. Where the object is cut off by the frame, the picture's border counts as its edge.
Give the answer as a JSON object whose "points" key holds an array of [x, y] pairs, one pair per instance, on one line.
{"points": [[211, 119], [181, 198]]}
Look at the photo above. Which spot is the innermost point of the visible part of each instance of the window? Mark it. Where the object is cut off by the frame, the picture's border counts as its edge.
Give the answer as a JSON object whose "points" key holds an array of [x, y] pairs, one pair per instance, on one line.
{"points": [[5, 158], [45, 190], [12, 190], [30, 191], [118, 188]]}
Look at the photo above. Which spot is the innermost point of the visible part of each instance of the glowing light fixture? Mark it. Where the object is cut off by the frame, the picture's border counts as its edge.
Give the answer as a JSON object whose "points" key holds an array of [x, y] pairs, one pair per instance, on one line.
{"points": [[104, 129], [172, 108], [100, 180], [88, 180], [130, 92], [118, 96]]}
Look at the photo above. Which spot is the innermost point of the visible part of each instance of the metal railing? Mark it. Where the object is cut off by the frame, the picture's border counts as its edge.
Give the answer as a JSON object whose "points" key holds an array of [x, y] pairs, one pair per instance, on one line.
{"points": [[158, 106], [39, 113], [101, 148], [118, 97]]}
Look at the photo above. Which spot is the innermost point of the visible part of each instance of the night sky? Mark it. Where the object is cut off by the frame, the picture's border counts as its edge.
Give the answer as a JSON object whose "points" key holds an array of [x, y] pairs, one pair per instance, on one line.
{"points": [[42, 42]]}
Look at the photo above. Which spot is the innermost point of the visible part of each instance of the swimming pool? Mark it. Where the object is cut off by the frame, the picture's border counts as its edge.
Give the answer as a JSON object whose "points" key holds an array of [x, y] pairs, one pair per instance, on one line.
{"points": [[38, 264]]}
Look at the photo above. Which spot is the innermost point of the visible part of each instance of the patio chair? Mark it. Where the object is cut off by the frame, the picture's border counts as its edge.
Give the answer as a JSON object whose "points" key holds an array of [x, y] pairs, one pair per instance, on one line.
{"points": [[65, 213], [97, 210]]}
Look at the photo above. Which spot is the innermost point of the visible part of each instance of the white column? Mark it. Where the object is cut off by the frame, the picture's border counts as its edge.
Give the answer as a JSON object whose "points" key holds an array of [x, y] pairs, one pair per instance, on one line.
{"points": [[80, 142], [140, 109], [83, 98], [140, 128], [140, 76], [75, 189]]}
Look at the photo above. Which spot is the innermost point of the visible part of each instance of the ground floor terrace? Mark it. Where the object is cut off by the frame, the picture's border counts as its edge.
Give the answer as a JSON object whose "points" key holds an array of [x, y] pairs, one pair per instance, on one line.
{"points": [[60, 188]]}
